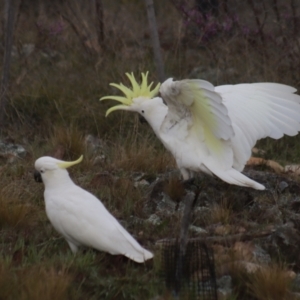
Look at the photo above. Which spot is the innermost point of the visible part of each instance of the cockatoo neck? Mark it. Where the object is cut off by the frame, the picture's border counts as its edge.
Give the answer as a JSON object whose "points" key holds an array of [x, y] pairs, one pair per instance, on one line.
{"points": [[157, 114], [57, 179]]}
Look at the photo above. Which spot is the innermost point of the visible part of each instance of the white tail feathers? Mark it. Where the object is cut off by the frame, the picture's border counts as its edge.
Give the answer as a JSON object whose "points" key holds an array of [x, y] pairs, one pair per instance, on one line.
{"points": [[140, 257], [147, 254], [233, 176]]}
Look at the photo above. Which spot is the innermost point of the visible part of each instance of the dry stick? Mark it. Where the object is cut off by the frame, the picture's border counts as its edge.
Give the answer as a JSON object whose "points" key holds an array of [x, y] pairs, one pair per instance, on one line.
{"points": [[257, 20], [7, 57], [100, 25], [287, 52], [155, 40], [225, 5], [275, 7], [294, 8], [183, 238], [67, 19], [81, 30], [226, 240]]}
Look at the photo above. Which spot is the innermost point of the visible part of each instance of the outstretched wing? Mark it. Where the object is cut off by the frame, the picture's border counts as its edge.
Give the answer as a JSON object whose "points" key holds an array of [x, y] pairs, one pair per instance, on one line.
{"points": [[259, 110], [198, 103]]}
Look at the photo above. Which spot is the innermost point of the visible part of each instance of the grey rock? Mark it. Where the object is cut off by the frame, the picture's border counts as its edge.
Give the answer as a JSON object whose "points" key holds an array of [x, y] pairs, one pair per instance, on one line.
{"points": [[99, 159], [136, 221], [224, 286], [261, 255], [282, 186], [137, 176], [27, 49], [197, 230], [154, 220], [296, 282], [93, 143], [12, 151], [141, 183], [166, 204], [273, 214]]}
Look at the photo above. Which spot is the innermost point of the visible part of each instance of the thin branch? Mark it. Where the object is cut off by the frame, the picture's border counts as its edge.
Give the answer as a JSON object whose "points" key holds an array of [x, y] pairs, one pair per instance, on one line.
{"points": [[259, 24], [70, 14], [294, 12], [100, 25], [9, 28], [226, 240], [155, 40]]}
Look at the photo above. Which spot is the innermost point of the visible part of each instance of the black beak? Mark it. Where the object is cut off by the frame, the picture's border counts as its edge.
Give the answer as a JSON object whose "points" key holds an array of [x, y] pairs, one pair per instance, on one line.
{"points": [[37, 176]]}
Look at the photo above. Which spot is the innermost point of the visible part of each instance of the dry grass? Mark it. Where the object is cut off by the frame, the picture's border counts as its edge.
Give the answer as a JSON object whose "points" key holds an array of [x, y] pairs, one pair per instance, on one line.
{"points": [[139, 154], [41, 282], [270, 283], [14, 212], [122, 198], [34, 282], [67, 142], [221, 213], [175, 189], [251, 278], [7, 281]]}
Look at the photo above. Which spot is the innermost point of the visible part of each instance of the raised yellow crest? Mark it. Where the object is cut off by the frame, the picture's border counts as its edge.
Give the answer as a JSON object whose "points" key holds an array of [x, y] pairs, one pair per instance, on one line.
{"points": [[137, 90]]}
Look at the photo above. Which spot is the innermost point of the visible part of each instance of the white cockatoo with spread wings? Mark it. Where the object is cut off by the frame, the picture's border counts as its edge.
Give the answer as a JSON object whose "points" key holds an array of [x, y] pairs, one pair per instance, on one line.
{"points": [[212, 129]]}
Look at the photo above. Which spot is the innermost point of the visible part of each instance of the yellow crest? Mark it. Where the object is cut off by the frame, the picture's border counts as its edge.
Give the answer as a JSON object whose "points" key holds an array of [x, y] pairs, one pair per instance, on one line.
{"points": [[137, 90], [67, 164]]}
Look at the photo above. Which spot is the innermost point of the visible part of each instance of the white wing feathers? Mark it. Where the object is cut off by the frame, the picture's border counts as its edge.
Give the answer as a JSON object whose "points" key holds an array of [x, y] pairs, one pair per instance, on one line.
{"points": [[257, 111], [197, 99], [84, 220], [229, 119]]}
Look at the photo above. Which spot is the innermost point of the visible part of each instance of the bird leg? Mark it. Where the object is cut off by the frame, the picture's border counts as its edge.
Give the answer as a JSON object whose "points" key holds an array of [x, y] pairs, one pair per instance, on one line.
{"points": [[183, 238], [73, 247], [189, 182]]}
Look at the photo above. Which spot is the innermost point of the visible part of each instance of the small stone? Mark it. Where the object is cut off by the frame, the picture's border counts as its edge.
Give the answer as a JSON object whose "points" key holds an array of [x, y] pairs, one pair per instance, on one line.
{"points": [[197, 229], [27, 49], [12, 151], [138, 176], [261, 255], [166, 205], [282, 186], [135, 220], [99, 159], [296, 281], [224, 287], [154, 220], [94, 143], [222, 229], [141, 183]]}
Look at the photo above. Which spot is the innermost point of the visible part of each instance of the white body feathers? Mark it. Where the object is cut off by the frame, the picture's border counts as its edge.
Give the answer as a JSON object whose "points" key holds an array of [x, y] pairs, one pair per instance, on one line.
{"points": [[82, 219]]}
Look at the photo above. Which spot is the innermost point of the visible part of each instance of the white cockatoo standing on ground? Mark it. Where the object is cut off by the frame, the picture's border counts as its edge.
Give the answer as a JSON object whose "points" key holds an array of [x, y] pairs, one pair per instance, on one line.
{"points": [[213, 129], [79, 216]]}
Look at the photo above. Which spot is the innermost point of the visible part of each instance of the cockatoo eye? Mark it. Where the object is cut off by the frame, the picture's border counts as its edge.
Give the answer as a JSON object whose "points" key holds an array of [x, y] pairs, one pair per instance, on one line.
{"points": [[42, 171], [142, 111]]}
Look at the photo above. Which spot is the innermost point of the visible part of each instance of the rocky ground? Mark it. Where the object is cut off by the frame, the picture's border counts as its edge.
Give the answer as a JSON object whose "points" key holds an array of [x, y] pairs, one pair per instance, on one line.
{"points": [[248, 230], [251, 233]]}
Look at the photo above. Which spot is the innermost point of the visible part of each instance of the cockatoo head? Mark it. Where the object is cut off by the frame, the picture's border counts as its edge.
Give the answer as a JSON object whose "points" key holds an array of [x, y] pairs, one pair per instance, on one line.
{"points": [[138, 99], [47, 167]]}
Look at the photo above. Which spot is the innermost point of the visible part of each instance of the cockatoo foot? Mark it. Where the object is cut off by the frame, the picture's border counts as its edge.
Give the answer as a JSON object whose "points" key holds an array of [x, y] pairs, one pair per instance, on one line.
{"points": [[189, 182]]}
